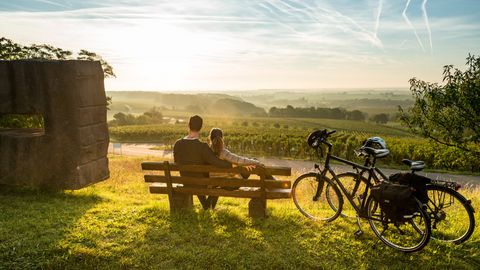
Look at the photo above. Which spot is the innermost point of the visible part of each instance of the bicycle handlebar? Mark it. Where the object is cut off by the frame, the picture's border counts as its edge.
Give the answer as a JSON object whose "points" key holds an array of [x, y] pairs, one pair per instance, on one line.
{"points": [[318, 137], [326, 134], [330, 132]]}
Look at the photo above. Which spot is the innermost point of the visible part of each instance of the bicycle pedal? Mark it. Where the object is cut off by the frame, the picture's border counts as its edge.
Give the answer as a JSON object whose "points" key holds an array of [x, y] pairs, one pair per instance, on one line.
{"points": [[358, 233]]}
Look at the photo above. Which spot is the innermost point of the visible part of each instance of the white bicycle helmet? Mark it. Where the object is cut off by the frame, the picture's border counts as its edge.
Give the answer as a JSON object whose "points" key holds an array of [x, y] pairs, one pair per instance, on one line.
{"points": [[376, 143], [374, 146]]}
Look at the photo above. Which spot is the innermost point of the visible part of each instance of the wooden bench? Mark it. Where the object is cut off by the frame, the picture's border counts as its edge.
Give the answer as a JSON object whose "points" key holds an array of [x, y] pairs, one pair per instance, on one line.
{"points": [[180, 190]]}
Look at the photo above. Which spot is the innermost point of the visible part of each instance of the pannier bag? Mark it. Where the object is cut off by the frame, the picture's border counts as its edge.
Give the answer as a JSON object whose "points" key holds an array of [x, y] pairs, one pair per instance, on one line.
{"points": [[417, 182], [396, 201]]}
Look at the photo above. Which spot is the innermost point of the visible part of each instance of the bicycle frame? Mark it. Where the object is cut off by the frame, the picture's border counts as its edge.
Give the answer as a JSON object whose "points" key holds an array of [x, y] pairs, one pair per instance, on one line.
{"points": [[361, 208]]}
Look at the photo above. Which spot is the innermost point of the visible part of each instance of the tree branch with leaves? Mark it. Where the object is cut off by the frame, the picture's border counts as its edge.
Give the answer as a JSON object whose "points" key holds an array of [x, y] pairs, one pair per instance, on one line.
{"points": [[448, 114], [10, 50]]}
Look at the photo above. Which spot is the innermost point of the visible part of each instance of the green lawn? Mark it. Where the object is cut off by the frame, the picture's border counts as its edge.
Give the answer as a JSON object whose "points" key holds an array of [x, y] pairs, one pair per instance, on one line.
{"points": [[117, 224]]}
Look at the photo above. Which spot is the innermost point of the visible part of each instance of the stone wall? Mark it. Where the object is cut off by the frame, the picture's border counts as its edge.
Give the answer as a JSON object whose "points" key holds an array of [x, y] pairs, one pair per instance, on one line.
{"points": [[71, 152]]}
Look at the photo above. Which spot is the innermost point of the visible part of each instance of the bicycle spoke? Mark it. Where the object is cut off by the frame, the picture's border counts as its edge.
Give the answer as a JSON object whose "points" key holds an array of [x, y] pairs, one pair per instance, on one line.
{"points": [[409, 235], [314, 203], [452, 218]]}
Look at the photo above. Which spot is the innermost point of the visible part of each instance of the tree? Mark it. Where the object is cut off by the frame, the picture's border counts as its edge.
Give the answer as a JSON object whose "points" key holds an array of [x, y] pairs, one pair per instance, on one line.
{"points": [[10, 50], [153, 116], [121, 119], [91, 56], [355, 115], [448, 114], [381, 118]]}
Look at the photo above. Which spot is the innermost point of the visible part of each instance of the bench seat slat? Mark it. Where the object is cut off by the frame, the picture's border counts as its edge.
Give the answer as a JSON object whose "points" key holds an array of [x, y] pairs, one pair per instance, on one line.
{"points": [[269, 170], [223, 182], [270, 194]]}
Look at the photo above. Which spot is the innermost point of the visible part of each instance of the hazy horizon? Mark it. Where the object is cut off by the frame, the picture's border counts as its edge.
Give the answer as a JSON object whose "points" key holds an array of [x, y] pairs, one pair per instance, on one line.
{"points": [[292, 90], [227, 45]]}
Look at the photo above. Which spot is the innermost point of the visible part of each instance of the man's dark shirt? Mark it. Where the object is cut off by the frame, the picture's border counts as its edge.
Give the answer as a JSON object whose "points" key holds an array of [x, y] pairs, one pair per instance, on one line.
{"points": [[195, 152]]}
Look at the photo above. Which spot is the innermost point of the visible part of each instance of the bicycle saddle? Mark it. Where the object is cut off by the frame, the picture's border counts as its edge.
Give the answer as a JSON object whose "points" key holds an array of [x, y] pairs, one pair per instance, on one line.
{"points": [[377, 153], [415, 165]]}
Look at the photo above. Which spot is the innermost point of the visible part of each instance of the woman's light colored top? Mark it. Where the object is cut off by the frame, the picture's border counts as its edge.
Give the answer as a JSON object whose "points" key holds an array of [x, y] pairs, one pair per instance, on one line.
{"points": [[236, 159]]}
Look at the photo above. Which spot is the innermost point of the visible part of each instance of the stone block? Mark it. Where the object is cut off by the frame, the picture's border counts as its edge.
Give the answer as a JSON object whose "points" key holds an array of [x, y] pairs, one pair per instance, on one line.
{"points": [[91, 115], [93, 152], [93, 134], [5, 98], [91, 172], [71, 152]]}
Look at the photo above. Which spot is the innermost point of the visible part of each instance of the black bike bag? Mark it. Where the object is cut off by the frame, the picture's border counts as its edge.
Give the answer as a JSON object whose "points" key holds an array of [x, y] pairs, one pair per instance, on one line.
{"points": [[417, 182], [397, 202]]}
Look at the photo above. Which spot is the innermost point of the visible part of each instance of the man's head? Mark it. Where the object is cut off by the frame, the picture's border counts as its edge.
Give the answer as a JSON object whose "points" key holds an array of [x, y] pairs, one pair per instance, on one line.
{"points": [[195, 123]]}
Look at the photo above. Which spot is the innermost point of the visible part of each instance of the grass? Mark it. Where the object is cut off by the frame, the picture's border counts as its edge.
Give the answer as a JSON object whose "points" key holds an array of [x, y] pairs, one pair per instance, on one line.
{"points": [[117, 224]]}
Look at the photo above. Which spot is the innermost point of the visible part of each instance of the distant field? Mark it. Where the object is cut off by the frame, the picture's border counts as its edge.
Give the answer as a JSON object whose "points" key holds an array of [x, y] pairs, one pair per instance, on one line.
{"points": [[285, 137], [258, 125], [277, 137]]}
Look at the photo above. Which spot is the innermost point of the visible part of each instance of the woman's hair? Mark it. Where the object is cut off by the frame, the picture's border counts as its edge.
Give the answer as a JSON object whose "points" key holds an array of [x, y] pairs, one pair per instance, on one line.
{"points": [[216, 141]]}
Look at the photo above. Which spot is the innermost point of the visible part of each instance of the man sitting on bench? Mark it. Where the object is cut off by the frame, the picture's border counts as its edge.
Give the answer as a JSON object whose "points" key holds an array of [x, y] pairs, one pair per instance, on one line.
{"points": [[191, 151]]}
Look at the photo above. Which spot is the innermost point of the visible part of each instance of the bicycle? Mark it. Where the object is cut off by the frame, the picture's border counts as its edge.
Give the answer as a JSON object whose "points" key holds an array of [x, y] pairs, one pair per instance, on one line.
{"points": [[451, 214], [321, 198]]}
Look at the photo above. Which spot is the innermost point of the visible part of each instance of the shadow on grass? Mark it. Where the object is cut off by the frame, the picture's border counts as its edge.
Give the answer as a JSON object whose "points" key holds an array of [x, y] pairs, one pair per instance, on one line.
{"points": [[73, 231], [32, 222], [219, 239], [225, 239]]}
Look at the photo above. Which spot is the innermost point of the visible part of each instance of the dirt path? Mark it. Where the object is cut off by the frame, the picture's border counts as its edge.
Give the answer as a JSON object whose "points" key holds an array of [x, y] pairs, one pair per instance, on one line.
{"points": [[298, 166]]}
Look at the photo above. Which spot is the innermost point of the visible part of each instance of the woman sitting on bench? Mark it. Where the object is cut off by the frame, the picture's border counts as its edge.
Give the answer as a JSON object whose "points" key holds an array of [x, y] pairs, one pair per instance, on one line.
{"points": [[218, 147]]}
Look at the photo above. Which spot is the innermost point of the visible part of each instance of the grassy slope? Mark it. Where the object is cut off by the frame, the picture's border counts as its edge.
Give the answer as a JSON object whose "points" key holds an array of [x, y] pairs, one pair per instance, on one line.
{"points": [[117, 224]]}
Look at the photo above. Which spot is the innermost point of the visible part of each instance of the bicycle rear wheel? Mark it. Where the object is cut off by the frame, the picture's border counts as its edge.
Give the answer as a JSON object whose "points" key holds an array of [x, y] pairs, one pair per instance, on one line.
{"points": [[317, 198], [451, 214], [409, 235]]}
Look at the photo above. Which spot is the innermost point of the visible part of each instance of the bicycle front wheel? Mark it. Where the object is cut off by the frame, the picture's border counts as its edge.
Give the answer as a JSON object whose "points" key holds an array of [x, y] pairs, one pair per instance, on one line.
{"points": [[410, 234], [317, 198], [354, 185], [451, 214]]}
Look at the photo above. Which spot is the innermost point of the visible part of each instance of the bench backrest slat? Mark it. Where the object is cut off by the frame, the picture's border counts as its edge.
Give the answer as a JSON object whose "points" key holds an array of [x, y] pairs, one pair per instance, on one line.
{"points": [[222, 182], [270, 170]]}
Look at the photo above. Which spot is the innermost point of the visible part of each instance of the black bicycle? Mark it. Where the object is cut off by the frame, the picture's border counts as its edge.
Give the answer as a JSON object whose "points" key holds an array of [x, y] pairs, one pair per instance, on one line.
{"points": [[321, 198], [451, 214]]}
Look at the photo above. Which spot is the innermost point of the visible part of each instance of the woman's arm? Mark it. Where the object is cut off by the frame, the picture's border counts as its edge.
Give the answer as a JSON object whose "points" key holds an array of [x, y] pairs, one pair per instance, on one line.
{"points": [[236, 159]]}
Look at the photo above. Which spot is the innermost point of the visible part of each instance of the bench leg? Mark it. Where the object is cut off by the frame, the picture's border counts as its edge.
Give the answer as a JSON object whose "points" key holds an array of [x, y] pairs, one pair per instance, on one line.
{"points": [[181, 202], [257, 208]]}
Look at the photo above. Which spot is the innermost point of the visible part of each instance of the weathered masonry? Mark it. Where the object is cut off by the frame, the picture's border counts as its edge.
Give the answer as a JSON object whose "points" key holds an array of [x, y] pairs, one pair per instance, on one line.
{"points": [[71, 151]]}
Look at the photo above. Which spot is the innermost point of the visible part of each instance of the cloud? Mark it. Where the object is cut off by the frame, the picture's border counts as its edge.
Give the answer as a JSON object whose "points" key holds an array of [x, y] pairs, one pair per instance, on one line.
{"points": [[427, 24], [377, 19], [175, 43]]}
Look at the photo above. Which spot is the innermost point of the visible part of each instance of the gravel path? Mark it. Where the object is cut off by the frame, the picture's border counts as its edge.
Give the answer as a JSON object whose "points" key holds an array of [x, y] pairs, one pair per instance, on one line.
{"points": [[298, 166]]}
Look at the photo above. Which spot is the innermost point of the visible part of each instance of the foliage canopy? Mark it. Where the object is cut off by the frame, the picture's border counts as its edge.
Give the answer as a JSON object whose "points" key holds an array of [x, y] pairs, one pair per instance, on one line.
{"points": [[10, 50], [150, 117], [448, 114]]}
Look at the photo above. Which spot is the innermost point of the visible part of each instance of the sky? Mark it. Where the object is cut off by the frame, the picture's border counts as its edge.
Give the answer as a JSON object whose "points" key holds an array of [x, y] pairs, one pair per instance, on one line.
{"points": [[188, 45]]}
